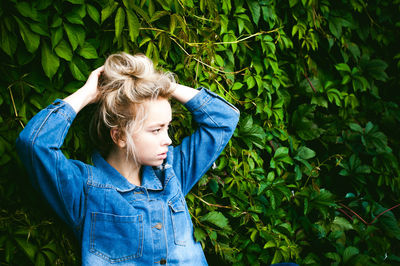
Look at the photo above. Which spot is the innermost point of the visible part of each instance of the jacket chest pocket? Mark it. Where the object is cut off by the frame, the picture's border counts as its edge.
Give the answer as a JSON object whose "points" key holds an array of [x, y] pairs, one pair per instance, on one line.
{"points": [[116, 238], [179, 219]]}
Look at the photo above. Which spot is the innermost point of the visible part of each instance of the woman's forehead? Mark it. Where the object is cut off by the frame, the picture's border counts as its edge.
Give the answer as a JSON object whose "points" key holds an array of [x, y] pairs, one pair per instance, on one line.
{"points": [[158, 111]]}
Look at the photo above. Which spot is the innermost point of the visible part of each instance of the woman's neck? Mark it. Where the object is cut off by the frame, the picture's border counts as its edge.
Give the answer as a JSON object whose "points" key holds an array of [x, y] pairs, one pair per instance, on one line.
{"points": [[125, 166]]}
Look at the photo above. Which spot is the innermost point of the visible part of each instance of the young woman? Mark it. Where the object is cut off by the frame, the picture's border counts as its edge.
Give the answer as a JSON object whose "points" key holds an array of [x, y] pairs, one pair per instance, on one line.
{"points": [[128, 208]]}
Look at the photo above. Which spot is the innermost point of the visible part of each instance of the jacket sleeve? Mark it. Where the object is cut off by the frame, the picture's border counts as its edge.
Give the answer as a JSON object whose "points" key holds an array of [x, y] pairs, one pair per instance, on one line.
{"points": [[59, 179], [216, 120]]}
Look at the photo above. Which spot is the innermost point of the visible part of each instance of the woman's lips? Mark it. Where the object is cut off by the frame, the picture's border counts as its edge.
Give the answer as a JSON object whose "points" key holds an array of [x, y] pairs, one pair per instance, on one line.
{"points": [[162, 155]]}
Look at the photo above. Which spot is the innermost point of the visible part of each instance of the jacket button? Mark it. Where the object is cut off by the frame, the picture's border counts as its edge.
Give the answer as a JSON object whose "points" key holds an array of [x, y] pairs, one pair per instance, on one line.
{"points": [[163, 261], [158, 226]]}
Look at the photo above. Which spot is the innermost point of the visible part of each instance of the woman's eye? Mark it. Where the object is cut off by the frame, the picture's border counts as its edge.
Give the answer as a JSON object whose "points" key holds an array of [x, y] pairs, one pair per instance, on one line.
{"points": [[156, 130]]}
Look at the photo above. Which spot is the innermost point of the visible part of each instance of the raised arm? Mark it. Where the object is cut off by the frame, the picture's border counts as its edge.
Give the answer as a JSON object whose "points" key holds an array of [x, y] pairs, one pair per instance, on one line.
{"points": [[87, 94], [61, 181], [183, 93], [216, 120]]}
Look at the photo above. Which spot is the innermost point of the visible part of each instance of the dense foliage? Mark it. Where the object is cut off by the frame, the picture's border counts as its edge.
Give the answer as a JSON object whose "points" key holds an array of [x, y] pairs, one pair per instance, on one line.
{"points": [[314, 162]]}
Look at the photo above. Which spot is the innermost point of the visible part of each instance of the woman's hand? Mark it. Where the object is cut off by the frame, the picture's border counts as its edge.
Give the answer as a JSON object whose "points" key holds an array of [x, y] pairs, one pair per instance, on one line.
{"points": [[88, 93], [183, 93]]}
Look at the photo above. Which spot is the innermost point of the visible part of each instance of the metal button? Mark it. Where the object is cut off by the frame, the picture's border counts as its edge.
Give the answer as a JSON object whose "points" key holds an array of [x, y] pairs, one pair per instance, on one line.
{"points": [[158, 226], [163, 261]]}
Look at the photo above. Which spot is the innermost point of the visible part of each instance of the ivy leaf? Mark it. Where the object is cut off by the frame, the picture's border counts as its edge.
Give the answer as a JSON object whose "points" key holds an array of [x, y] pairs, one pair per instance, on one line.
{"points": [[78, 69], [133, 25], [255, 10], [77, 2], [199, 234], [93, 13], [50, 61], [119, 22], [8, 41], [76, 35], [343, 67], [349, 252], [29, 249], [63, 50], [88, 51], [251, 133], [26, 10], [302, 121], [217, 219], [30, 39], [74, 18], [305, 153], [56, 36], [108, 10], [356, 127]]}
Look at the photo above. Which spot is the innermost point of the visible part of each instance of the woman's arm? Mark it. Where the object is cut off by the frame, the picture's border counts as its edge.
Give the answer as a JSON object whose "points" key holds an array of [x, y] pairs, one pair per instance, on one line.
{"points": [[61, 181], [183, 93], [216, 120], [87, 94]]}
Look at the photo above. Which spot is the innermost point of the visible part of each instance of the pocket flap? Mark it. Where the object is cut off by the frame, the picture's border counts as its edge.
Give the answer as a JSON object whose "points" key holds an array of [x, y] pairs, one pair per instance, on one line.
{"points": [[177, 204]]}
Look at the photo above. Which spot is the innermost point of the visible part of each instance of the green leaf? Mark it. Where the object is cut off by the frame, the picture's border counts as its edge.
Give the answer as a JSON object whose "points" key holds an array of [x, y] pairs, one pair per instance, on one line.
{"points": [[281, 152], [119, 22], [356, 127], [343, 67], [255, 10], [63, 50], [76, 34], [108, 10], [270, 244], [78, 69], [133, 25], [93, 13], [50, 61], [56, 36], [88, 51], [29, 249], [349, 252], [199, 234], [8, 41], [216, 218], [77, 2], [159, 14], [26, 10], [237, 86], [30, 39], [303, 123], [305, 153]]}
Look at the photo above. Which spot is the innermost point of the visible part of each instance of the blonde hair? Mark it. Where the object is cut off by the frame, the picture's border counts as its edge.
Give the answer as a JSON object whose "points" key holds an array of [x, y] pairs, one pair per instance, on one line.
{"points": [[126, 83]]}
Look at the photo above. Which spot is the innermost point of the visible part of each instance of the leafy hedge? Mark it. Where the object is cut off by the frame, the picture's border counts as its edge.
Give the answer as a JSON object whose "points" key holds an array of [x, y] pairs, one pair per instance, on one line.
{"points": [[312, 172]]}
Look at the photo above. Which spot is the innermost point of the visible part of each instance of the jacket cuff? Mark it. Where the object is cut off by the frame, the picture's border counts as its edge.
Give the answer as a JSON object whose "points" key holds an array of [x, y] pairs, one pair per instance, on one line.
{"points": [[63, 108], [202, 98]]}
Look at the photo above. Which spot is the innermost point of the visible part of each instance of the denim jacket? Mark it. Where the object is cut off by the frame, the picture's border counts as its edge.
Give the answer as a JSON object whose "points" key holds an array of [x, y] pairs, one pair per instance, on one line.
{"points": [[116, 221]]}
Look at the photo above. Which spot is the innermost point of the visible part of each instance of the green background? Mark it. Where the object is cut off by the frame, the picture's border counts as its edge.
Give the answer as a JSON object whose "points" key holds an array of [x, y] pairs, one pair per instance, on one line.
{"points": [[314, 162]]}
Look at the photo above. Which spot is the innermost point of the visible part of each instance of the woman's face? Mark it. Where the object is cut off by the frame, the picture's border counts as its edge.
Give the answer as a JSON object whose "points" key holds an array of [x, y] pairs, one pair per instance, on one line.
{"points": [[152, 140]]}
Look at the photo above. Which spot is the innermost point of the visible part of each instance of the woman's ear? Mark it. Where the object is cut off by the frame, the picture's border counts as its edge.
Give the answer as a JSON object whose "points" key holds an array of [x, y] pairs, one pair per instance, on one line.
{"points": [[117, 137]]}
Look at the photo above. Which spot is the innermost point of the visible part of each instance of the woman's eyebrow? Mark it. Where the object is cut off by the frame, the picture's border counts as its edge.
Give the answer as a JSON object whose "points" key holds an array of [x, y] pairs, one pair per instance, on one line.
{"points": [[159, 124]]}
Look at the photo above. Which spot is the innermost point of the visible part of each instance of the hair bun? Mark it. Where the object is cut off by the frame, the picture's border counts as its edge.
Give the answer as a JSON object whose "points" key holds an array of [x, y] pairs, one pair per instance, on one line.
{"points": [[123, 65]]}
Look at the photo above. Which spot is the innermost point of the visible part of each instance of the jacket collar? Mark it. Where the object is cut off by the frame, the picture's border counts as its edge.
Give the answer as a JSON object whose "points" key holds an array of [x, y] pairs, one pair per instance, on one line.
{"points": [[110, 177]]}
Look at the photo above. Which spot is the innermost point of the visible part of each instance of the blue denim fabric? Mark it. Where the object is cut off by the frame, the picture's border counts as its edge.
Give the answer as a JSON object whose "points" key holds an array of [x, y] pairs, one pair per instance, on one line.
{"points": [[116, 221]]}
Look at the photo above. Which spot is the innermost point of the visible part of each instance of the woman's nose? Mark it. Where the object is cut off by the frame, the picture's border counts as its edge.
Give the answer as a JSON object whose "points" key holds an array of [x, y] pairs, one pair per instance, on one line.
{"points": [[166, 139]]}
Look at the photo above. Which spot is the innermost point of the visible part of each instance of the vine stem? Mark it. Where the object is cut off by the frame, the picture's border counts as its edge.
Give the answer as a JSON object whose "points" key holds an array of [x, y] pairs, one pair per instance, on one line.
{"points": [[14, 107], [237, 100], [215, 205], [309, 82], [205, 64], [359, 217], [318, 167], [237, 41]]}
